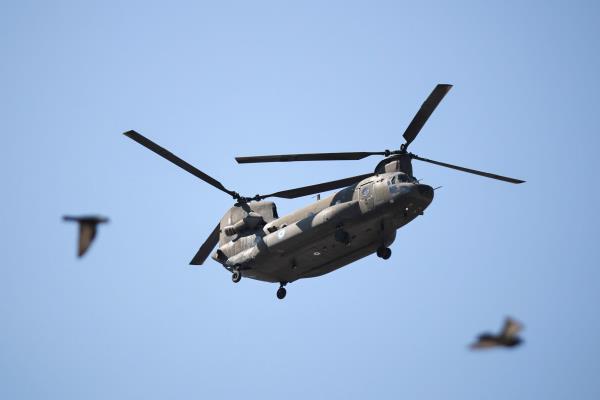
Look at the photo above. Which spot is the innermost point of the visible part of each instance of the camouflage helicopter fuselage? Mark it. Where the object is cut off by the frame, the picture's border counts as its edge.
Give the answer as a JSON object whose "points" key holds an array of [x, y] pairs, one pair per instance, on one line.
{"points": [[356, 221], [323, 236]]}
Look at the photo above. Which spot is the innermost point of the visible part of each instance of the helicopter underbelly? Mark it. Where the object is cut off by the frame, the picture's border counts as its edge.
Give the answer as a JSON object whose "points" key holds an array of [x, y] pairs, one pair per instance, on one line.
{"points": [[327, 241], [325, 253]]}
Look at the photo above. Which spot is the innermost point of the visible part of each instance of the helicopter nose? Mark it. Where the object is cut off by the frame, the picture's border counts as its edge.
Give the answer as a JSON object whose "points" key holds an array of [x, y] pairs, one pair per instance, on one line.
{"points": [[426, 192]]}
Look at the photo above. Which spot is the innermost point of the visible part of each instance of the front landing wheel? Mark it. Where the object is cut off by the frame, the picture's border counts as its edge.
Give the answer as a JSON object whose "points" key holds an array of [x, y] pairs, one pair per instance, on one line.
{"points": [[384, 252], [236, 276]]}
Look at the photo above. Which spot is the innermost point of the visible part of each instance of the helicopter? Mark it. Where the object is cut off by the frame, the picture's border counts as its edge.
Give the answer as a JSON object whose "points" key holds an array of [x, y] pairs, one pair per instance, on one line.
{"points": [[362, 218]]}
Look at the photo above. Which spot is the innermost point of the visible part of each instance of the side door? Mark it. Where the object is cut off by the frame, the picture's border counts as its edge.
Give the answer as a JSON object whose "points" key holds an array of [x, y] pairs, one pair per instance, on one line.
{"points": [[365, 196]]}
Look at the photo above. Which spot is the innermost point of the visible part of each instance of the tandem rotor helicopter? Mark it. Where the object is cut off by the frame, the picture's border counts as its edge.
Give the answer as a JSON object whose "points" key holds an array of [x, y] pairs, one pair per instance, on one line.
{"points": [[360, 219]]}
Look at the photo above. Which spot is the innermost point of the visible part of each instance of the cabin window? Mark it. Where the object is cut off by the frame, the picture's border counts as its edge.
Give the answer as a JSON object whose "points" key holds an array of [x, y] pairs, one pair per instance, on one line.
{"points": [[364, 192]]}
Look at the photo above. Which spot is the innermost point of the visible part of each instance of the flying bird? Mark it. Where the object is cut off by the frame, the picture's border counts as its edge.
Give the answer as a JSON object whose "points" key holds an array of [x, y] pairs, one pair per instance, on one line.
{"points": [[87, 230], [506, 338]]}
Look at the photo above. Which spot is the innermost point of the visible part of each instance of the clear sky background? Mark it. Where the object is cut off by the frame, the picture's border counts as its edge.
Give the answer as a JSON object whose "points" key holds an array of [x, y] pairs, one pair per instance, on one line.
{"points": [[214, 80]]}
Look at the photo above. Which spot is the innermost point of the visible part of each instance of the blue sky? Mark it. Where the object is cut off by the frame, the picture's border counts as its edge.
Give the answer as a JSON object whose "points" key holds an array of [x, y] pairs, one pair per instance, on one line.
{"points": [[211, 81]]}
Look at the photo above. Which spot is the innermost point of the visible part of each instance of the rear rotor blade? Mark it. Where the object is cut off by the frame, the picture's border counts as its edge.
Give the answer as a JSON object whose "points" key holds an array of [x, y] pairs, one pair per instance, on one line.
{"points": [[358, 155], [206, 247], [425, 112], [149, 144], [471, 171], [318, 188]]}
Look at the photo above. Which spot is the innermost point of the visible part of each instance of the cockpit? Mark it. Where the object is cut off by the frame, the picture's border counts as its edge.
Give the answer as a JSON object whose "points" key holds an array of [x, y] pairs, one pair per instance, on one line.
{"points": [[400, 178]]}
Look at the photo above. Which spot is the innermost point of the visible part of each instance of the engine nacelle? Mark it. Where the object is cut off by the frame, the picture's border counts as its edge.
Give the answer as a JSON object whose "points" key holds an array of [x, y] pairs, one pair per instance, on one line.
{"points": [[250, 221]]}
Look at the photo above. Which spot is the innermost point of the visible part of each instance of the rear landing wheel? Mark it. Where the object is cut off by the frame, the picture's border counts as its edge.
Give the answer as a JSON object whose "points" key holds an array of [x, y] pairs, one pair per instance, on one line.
{"points": [[281, 292], [236, 276]]}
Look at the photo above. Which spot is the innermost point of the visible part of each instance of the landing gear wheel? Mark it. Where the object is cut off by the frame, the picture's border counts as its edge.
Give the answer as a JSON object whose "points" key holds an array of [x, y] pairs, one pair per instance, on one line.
{"points": [[387, 253], [236, 276], [384, 252], [281, 292]]}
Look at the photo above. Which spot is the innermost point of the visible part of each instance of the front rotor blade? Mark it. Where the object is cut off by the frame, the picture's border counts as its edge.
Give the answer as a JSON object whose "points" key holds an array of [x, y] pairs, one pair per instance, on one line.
{"points": [[471, 171], [358, 155], [318, 188], [425, 112], [207, 247], [149, 144]]}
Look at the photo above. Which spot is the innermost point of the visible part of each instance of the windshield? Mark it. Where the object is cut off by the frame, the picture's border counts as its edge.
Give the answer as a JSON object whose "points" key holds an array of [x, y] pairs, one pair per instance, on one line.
{"points": [[403, 178]]}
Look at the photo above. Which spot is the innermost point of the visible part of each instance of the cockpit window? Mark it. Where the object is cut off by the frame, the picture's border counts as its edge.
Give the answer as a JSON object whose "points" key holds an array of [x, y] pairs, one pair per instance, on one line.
{"points": [[403, 178], [393, 180]]}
